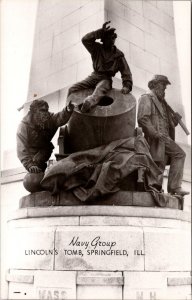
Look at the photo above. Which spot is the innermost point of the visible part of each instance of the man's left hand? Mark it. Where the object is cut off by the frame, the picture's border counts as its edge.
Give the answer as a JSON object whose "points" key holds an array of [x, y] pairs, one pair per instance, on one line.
{"points": [[176, 118], [125, 90]]}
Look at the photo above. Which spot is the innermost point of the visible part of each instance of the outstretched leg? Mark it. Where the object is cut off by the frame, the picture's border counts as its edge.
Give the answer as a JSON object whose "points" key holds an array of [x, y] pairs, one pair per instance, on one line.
{"points": [[101, 90], [177, 156], [89, 82]]}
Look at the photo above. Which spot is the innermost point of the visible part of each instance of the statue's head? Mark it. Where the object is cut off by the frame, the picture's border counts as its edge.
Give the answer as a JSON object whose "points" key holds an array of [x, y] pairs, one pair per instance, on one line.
{"points": [[159, 84], [109, 38], [40, 112]]}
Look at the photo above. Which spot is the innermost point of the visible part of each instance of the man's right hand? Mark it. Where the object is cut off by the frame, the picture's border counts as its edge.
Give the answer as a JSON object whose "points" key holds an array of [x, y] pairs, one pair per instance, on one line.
{"points": [[34, 169]]}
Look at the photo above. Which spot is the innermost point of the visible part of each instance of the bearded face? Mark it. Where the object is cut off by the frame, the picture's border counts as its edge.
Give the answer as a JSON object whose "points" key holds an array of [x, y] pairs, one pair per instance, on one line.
{"points": [[41, 117], [159, 90]]}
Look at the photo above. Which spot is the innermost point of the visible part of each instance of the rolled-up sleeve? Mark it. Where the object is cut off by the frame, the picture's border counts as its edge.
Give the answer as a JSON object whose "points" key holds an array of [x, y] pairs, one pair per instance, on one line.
{"points": [[60, 118]]}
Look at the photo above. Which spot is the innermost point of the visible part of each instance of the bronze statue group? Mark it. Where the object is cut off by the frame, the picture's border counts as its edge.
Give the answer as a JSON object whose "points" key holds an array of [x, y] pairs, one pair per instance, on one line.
{"points": [[156, 149]]}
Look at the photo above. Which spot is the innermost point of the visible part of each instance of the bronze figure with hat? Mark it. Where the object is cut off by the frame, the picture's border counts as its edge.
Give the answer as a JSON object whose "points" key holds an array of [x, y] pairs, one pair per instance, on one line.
{"points": [[158, 121]]}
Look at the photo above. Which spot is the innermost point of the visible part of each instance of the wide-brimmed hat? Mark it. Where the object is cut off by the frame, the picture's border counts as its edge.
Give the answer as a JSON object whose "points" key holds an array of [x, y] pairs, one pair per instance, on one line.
{"points": [[158, 78]]}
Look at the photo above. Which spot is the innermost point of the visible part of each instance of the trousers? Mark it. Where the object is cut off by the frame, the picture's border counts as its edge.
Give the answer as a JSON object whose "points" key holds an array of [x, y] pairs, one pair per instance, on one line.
{"points": [[177, 158], [100, 82]]}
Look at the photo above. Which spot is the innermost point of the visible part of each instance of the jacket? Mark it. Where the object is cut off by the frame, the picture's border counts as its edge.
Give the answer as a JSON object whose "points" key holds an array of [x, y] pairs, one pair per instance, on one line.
{"points": [[152, 120], [107, 65], [34, 145]]}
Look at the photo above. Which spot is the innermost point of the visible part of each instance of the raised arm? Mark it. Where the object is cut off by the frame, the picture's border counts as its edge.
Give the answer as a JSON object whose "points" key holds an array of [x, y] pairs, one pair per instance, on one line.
{"points": [[126, 76], [62, 117], [89, 39]]}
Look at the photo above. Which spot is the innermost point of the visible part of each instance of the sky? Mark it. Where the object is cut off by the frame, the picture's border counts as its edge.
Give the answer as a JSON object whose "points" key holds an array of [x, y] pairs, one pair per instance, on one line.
{"points": [[17, 31]]}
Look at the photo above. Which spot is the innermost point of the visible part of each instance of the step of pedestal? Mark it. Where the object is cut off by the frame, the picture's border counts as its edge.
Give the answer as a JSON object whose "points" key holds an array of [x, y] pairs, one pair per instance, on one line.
{"points": [[121, 198]]}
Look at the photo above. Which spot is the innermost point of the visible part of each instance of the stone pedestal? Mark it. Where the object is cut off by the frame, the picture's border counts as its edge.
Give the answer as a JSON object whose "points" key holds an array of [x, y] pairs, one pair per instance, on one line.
{"points": [[99, 252]]}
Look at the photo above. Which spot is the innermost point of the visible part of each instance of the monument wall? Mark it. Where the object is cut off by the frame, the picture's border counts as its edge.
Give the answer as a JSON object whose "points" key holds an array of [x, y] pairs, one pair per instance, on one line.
{"points": [[58, 57]]}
